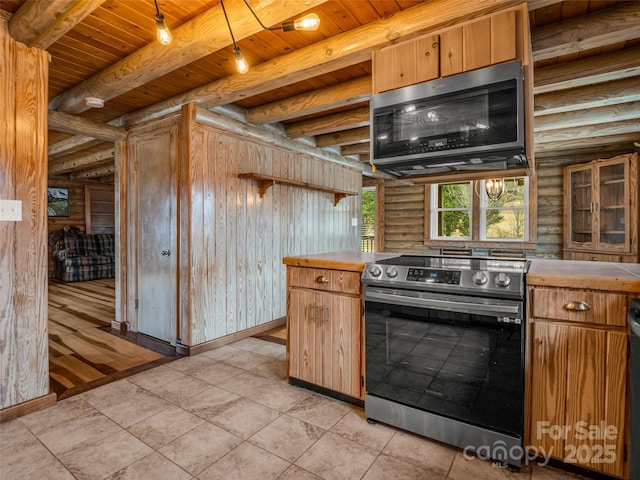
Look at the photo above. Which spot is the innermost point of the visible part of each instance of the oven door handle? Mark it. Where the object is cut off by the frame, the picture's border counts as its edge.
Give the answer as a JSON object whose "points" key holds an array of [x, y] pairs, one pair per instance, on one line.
{"points": [[450, 305]]}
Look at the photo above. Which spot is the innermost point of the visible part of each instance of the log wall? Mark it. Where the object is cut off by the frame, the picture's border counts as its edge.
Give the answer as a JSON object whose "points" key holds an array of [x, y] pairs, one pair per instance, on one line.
{"points": [[404, 209], [24, 366]]}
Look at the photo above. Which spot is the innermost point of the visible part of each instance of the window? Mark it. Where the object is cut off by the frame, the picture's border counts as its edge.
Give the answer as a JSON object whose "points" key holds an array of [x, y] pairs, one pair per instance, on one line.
{"points": [[451, 210], [505, 218], [461, 213]]}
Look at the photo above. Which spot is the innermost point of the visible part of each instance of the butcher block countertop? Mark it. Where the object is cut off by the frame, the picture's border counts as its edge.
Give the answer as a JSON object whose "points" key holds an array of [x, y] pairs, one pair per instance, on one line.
{"points": [[619, 277], [348, 261]]}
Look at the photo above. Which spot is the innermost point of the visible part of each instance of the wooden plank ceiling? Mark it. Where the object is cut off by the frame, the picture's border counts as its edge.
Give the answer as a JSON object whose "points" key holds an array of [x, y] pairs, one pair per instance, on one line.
{"points": [[299, 81]]}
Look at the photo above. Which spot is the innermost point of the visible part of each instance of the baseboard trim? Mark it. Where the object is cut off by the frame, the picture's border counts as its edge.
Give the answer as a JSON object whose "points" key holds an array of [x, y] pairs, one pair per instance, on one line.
{"points": [[119, 326], [234, 337], [29, 406]]}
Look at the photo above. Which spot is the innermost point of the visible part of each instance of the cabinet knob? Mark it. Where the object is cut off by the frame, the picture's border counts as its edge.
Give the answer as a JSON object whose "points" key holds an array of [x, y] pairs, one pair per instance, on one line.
{"points": [[577, 306], [322, 279]]}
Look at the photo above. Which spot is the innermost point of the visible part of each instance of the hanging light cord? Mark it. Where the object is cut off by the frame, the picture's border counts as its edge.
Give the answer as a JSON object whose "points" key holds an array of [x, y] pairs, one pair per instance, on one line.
{"points": [[224, 10], [256, 17], [158, 14]]}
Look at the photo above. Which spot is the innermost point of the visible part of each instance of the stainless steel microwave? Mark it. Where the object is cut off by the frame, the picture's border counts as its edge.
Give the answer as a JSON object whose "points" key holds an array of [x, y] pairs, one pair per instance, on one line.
{"points": [[469, 121]]}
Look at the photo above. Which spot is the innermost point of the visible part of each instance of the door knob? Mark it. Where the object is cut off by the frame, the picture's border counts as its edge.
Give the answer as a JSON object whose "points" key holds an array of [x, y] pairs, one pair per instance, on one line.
{"points": [[165, 253]]}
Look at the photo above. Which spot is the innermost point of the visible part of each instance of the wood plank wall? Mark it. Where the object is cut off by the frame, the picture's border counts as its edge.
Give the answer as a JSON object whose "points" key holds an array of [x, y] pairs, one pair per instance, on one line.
{"points": [[99, 209], [404, 209], [24, 367], [237, 280]]}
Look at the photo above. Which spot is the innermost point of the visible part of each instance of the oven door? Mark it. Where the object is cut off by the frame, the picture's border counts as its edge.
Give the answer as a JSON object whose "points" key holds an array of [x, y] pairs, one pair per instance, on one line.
{"points": [[455, 356]]}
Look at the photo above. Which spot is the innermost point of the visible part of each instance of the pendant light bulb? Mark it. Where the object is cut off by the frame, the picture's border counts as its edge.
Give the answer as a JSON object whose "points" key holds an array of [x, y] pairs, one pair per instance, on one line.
{"points": [[241, 64], [309, 22], [494, 188], [164, 35]]}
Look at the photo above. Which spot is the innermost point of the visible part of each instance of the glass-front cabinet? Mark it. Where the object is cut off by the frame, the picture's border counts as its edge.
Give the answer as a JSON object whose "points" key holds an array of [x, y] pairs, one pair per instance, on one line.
{"points": [[601, 210]]}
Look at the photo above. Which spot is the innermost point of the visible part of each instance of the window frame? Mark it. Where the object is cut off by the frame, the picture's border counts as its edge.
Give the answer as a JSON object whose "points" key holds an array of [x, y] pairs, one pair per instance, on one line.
{"points": [[484, 208], [434, 218], [530, 241]]}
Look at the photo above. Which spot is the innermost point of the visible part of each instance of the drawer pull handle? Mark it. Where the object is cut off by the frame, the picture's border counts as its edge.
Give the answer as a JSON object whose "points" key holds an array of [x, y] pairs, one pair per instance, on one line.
{"points": [[322, 279], [577, 306]]}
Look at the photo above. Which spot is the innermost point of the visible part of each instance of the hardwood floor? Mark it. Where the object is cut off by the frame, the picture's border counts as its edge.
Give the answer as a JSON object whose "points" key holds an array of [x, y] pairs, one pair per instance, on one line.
{"points": [[83, 350]]}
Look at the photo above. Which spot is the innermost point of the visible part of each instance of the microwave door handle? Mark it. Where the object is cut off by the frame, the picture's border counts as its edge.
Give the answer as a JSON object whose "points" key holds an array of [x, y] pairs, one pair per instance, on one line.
{"points": [[458, 306]]}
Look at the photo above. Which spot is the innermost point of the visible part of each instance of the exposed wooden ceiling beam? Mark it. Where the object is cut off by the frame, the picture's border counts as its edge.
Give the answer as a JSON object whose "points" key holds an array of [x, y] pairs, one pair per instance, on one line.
{"points": [[345, 137], [602, 68], [71, 145], [64, 165], [63, 122], [329, 123], [592, 116], [587, 132], [339, 51], [40, 24], [94, 173], [191, 41], [625, 140], [346, 93], [590, 96], [617, 24], [356, 149]]}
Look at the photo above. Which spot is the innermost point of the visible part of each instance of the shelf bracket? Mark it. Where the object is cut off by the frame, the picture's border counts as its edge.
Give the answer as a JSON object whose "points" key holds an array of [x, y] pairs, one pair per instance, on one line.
{"points": [[337, 197], [263, 186]]}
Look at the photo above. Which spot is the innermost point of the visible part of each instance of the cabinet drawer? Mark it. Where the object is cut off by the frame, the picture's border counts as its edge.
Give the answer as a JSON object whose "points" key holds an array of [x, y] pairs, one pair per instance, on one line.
{"points": [[601, 308], [324, 279]]}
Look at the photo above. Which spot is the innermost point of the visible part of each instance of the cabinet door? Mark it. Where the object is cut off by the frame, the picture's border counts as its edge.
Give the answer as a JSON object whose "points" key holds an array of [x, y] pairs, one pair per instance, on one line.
{"points": [[305, 337], [586, 378], [407, 63], [579, 208], [613, 206], [549, 388], [451, 52], [341, 323], [578, 396]]}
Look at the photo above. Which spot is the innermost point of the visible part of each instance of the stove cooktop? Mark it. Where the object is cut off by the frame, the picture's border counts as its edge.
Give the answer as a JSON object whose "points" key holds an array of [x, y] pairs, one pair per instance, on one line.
{"points": [[485, 276]]}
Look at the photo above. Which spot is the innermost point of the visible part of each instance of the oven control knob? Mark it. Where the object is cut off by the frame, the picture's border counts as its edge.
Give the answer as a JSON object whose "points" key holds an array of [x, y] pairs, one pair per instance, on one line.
{"points": [[375, 271], [479, 278], [391, 272], [503, 280]]}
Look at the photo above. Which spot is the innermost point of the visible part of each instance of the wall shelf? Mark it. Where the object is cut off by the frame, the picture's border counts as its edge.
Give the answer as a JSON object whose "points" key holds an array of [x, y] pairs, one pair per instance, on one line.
{"points": [[266, 181]]}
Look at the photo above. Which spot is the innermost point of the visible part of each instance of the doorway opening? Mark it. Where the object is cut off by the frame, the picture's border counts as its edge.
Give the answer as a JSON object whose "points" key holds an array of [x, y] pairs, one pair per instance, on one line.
{"points": [[368, 219]]}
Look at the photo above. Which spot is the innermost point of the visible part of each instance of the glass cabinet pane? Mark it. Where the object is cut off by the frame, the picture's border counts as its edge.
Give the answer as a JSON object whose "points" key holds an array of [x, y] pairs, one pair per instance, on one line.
{"points": [[581, 207], [612, 204]]}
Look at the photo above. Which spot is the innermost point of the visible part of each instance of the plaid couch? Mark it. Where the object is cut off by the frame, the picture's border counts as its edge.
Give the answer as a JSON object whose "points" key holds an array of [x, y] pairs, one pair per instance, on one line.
{"points": [[80, 257]]}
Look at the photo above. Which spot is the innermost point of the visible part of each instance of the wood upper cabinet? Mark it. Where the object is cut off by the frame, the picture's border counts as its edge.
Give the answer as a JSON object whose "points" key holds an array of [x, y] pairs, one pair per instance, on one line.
{"points": [[577, 359], [476, 44], [406, 63], [601, 210], [324, 328]]}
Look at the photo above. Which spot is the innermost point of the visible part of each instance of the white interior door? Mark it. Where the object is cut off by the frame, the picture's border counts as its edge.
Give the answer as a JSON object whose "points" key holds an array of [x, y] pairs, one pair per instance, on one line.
{"points": [[156, 238]]}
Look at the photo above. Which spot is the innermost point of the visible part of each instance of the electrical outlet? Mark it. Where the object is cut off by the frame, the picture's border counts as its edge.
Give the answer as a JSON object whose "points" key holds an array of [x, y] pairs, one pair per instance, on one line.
{"points": [[354, 221], [10, 210]]}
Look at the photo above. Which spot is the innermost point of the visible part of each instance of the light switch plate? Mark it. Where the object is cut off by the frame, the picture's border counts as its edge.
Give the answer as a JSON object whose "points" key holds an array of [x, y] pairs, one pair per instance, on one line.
{"points": [[11, 210], [354, 221]]}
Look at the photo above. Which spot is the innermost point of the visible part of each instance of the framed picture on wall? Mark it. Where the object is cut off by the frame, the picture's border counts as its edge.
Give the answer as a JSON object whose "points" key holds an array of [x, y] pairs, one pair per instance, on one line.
{"points": [[58, 202]]}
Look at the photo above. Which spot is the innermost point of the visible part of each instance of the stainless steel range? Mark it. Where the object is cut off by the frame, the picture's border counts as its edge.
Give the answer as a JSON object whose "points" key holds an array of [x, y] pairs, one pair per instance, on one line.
{"points": [[445, 349]]}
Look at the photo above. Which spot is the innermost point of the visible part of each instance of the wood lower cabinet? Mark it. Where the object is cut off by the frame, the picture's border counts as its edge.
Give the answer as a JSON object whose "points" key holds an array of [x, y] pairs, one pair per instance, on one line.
{"points": [[324, 329], [578, 377]]}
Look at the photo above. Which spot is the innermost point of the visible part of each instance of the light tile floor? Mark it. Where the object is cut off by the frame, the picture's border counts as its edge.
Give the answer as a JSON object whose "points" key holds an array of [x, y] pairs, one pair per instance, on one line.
{"points": [[228, 413]]}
